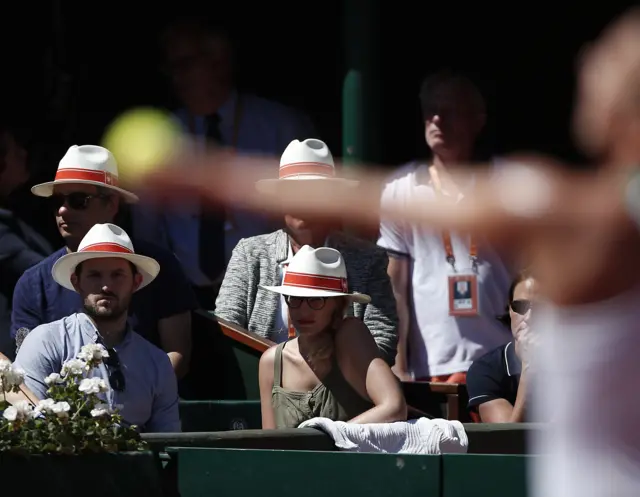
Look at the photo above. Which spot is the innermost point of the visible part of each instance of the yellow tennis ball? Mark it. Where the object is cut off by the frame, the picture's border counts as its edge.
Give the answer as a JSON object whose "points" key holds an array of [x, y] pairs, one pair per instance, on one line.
{"points": [[142, 140]]}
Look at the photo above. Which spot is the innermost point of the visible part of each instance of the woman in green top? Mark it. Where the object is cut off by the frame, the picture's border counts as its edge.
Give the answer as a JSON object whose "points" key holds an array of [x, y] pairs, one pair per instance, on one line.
{"points": [[332, 369]]}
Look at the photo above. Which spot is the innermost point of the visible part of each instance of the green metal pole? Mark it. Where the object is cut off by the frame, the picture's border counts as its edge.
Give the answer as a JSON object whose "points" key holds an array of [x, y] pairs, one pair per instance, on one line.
{"points": [[360, 95]]}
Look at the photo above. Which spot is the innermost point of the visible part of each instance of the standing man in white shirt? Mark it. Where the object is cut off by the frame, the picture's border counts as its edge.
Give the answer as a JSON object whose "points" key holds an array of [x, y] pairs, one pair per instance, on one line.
{"points": [[449, 287]]}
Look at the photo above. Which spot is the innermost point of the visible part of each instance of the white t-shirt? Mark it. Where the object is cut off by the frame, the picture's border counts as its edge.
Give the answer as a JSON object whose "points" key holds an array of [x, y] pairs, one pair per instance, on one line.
{"points": [[587, 369], [440, 344]]}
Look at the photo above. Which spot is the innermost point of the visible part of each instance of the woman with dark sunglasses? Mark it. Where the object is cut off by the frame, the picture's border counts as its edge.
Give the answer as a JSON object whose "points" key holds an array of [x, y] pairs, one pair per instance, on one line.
{"points": [[332, 369], [497, 382]]}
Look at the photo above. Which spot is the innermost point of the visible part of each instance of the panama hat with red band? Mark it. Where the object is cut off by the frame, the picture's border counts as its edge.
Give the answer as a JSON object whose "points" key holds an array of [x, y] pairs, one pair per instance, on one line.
{"points": [[89, 165], [308, 160], [317, 272], [102, 241]]}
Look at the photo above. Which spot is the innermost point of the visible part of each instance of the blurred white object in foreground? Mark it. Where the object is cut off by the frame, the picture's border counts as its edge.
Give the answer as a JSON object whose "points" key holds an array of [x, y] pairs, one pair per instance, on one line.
{"points": [[586, 384]]}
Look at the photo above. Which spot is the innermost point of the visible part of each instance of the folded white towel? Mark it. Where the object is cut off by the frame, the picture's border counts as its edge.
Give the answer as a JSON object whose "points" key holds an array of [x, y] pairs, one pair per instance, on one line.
{"points": [[418, 436]]}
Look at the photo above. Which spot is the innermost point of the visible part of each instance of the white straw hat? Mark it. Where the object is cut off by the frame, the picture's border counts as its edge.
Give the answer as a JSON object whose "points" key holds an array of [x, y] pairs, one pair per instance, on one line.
{"points": [[304, 160], [86, 164], [104, 240], [317, 272]]}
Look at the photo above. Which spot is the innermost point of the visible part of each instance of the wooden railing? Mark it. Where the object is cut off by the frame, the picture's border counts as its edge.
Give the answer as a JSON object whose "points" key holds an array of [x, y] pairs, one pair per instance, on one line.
{"points": [[246, 337]]}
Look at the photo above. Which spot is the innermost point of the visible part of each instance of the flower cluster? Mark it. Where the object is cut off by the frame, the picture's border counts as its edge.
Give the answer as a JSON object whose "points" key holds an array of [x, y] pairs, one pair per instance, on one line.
{"points": [[10, 377], [73, 419]]}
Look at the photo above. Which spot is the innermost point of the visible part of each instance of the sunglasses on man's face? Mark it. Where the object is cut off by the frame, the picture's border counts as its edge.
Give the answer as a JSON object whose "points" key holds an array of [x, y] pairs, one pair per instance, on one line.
{"points": [[315, 303], [520, 306], [77, 201], [114, 371]]}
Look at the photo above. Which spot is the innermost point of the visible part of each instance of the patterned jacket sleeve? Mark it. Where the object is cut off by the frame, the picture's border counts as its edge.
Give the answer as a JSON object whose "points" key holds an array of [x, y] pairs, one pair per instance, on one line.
{"points": [[381, 315], [232, 303]]}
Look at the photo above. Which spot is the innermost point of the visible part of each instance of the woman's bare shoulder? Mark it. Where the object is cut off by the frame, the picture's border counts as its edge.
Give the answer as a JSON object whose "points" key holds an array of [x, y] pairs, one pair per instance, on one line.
{"points": [[269, 355]]}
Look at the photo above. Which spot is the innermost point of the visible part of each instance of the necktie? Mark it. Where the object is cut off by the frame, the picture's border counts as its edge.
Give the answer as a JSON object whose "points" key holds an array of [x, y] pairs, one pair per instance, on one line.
{"points": [[212, 220]]}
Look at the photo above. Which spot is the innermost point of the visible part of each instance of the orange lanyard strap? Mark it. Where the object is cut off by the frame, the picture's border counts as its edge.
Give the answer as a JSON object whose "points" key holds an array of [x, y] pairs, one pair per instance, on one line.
{"points": [[446, 236]]}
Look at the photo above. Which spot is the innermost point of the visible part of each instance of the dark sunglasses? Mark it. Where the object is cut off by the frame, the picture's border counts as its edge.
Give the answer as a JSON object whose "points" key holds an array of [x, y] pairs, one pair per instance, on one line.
{"points": [[114, 371], [315, 303], [77, 201], [520, 306]]}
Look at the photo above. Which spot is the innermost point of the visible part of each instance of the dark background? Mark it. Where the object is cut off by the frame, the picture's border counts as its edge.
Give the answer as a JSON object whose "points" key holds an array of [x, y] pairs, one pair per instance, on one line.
{"points": [[521, 56]]}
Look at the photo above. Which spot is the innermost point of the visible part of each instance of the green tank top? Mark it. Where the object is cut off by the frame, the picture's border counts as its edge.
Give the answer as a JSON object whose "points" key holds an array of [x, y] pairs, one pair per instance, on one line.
{"points": [[333, 398]]}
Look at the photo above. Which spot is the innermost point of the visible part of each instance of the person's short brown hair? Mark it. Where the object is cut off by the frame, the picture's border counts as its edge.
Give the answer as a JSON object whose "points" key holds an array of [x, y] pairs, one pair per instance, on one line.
{"points": [[196, 27], [450, 78]]}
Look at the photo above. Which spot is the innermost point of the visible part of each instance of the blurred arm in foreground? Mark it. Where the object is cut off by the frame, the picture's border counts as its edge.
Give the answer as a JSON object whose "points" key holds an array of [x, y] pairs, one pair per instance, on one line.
{"points": [[575, 227], [538, 208]]}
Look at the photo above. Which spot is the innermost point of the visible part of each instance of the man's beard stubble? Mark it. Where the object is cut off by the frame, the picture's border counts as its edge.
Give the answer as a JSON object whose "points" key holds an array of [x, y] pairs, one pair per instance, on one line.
{"points": [[107, 314]]}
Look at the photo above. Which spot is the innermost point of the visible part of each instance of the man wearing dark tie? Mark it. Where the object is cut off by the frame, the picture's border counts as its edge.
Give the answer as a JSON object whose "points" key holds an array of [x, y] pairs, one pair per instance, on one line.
{"points": [[198, 63]]}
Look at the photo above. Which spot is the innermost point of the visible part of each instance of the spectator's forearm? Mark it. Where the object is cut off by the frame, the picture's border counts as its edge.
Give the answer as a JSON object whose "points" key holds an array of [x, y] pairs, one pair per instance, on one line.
{"points": [[520, 407], [179, 363]]}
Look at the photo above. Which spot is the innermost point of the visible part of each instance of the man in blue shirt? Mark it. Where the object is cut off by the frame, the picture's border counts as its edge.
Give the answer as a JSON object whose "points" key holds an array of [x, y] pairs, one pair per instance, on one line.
{"points": [[105, 271], [85, 192]]}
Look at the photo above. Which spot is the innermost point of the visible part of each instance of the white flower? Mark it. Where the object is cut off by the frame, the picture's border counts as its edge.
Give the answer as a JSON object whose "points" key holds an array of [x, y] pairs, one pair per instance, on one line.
{"points": [[49, 406], [53, 378], [101, 410], [92, 352], [45, 405], [93, 385], [61, 409], [10, 413], [20, 411], [11, 377], [74, 367]]}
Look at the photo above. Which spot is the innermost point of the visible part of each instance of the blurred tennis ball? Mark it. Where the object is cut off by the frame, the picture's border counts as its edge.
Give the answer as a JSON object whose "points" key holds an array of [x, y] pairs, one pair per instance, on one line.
{"points": [[142, 140]]}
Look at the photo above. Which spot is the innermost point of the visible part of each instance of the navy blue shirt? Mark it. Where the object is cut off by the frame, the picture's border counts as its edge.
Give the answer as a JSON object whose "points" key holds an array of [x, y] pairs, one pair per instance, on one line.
{"points": [[495, 375], [38, 299]]}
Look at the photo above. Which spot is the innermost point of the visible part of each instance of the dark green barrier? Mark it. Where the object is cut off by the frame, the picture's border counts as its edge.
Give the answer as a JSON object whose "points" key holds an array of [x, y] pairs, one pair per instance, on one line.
{"points": [[500, 438], [483, 438], [203, 420], [484, 475], [289, 439], [97, 475], [220, 415], [224, 472]]}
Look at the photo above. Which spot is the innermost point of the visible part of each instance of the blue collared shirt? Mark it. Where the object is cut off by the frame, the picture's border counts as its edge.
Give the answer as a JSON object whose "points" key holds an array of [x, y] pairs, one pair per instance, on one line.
{"points": [[150, 397], [264, 127]]}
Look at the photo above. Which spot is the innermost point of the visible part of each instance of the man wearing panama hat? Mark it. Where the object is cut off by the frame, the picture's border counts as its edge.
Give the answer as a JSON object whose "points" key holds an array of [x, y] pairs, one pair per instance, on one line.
{"points": [[105, 271], [261, 261], [84, 192]]}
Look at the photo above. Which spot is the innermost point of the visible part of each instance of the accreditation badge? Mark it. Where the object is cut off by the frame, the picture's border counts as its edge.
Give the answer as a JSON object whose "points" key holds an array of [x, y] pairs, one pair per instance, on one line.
{"points": [[463, 295]]}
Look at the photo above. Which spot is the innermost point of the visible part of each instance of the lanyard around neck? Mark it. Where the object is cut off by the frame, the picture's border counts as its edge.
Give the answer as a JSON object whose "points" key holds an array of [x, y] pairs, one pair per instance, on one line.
{"points": [[446, 235]]}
